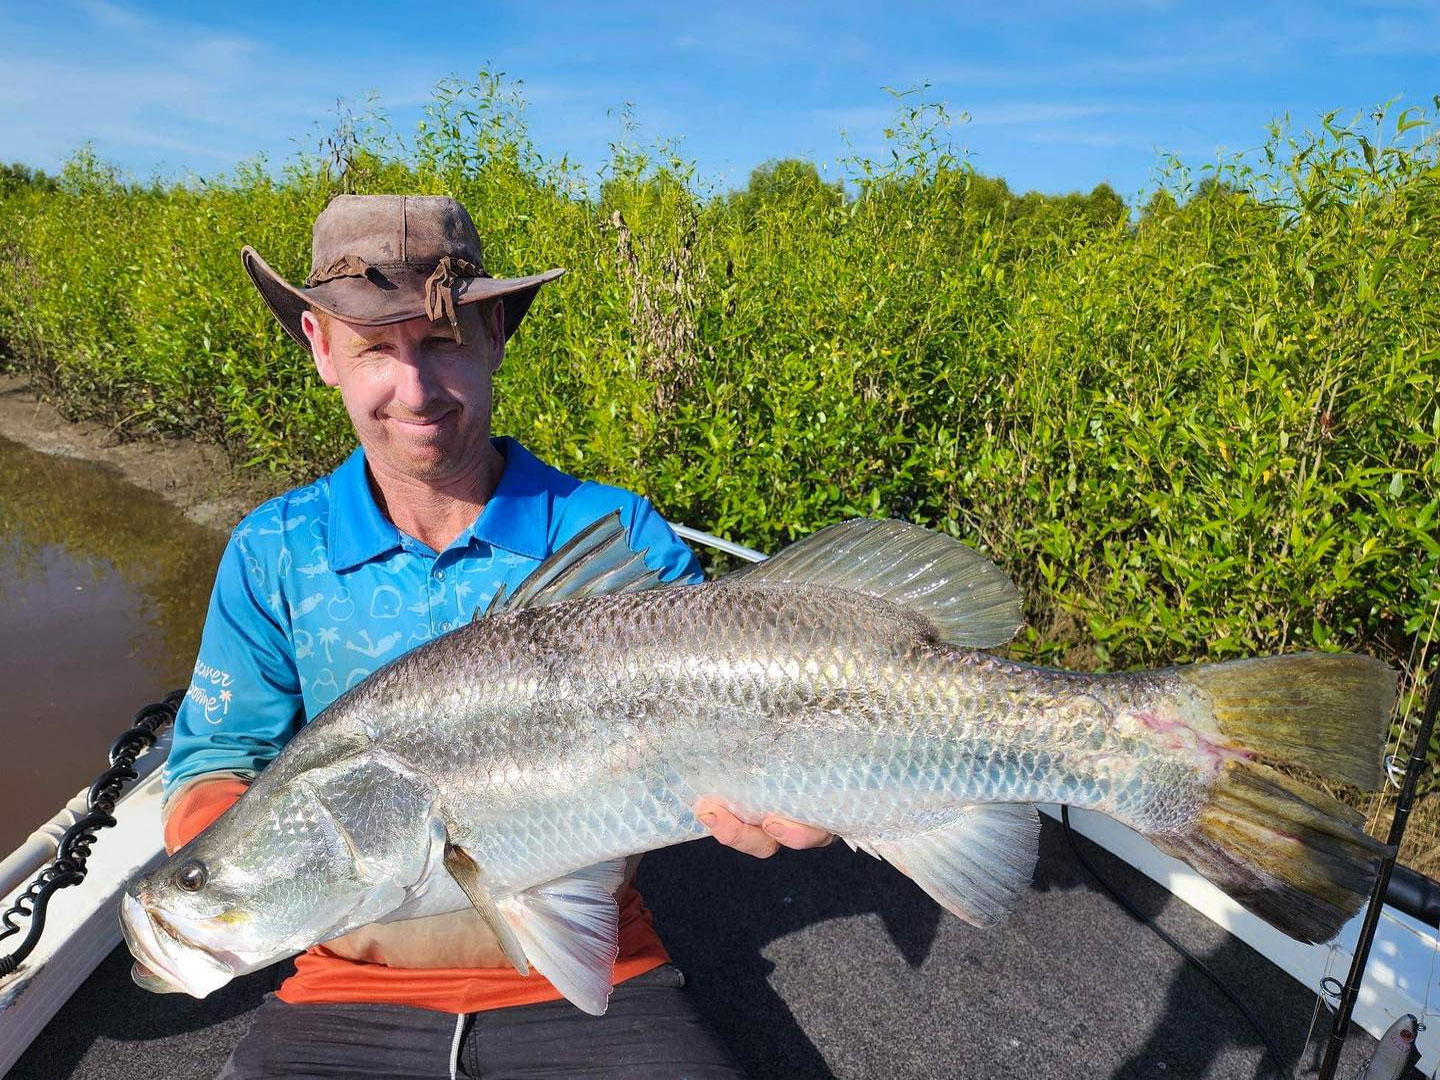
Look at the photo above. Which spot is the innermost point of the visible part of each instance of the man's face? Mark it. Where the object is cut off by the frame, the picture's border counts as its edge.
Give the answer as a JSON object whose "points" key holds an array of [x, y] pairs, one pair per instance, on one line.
{"points": [[420, 401]]}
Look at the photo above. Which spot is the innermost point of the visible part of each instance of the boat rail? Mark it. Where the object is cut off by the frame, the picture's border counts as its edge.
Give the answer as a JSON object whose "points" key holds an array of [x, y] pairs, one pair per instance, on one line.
{"points": [[40, 846], [730, 547]]}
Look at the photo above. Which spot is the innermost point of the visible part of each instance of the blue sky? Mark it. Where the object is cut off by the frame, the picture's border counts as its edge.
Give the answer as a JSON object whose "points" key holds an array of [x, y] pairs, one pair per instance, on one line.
{"points": [[1060, 96]]}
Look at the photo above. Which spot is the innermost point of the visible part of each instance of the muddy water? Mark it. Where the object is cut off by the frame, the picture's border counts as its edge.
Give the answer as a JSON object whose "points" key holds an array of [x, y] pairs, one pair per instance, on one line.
{"points": [[103, 589]]}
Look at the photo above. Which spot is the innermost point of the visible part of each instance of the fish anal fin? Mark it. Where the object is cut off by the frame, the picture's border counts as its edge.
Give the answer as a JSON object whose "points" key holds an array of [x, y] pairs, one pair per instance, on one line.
{"points": [[967, 599], [570, 930], [861, 845], [977, 866], [471, 879]]}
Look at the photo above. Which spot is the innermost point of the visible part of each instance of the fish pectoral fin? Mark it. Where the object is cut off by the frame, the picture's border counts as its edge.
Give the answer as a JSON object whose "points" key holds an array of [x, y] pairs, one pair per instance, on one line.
{"points": [[471, 879], [570, 929], [978, 866]]}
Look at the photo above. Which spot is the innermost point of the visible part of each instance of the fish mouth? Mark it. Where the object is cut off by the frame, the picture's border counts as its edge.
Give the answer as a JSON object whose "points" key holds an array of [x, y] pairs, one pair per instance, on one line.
{"points": [[167, 961]]}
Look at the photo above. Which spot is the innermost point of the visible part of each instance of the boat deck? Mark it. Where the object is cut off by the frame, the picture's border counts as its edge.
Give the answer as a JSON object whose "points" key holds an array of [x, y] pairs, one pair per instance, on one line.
{"points": [[831, 964]]}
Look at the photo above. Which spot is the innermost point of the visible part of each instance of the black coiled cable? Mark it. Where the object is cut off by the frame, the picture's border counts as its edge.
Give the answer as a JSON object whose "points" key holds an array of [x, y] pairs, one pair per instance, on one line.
{"points": [[69, 864]]}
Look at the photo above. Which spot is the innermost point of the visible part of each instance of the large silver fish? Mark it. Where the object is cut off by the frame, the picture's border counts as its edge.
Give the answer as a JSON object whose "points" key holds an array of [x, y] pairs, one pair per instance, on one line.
{"points": [[513, 764]]}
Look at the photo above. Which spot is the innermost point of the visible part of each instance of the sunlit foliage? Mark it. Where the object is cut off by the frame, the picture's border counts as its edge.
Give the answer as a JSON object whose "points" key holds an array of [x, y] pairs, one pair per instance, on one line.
{"points": [[1204, 427]]}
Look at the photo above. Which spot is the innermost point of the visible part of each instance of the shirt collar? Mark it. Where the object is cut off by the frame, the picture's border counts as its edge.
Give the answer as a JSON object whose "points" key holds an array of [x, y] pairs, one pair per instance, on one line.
{"points": [[358, 530], [516, 517]]}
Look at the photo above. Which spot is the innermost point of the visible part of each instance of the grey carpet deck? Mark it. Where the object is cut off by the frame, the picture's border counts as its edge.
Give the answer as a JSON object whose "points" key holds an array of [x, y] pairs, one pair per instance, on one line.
{"points": [[830, 964]]}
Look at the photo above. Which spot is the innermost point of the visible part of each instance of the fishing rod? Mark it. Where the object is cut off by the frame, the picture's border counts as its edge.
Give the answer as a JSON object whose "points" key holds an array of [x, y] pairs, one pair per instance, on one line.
{"points": [[1351, 991]]}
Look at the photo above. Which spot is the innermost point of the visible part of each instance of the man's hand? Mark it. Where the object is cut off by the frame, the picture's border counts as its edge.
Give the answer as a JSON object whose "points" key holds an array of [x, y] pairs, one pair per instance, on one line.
{"points": [[763, 840]]}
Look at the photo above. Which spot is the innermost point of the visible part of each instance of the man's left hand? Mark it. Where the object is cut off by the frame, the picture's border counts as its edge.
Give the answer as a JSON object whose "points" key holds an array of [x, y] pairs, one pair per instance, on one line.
{"points": [[761, 840]]}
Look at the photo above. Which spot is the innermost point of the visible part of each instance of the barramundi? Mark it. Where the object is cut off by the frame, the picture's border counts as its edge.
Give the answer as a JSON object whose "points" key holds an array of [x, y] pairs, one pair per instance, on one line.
{"points": [[513, 764]]}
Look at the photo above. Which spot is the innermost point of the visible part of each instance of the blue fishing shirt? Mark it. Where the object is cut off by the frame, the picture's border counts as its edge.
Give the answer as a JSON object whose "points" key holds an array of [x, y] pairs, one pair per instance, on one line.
{"points": [[316, 589]]}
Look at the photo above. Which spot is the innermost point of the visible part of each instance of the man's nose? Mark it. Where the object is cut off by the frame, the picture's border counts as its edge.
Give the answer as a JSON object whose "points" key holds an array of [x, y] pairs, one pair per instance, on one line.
{"points": [[415, 380]]}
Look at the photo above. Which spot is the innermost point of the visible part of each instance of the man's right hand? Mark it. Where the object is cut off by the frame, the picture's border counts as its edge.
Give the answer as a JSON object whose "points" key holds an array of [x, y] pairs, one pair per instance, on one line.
{"points": [[762, 840]]}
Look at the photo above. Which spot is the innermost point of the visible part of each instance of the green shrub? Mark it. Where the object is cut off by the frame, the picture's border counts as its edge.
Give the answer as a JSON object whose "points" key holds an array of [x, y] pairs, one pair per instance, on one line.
{"points": [[1207, 428]]}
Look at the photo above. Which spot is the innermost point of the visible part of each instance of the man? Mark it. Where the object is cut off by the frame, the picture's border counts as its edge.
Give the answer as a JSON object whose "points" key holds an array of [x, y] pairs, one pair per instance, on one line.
{"points": [[403, 542]]}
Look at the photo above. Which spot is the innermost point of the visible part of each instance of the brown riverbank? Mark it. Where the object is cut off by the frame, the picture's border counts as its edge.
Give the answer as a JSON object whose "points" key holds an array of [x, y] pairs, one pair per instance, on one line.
{"points": [[194, 477]]}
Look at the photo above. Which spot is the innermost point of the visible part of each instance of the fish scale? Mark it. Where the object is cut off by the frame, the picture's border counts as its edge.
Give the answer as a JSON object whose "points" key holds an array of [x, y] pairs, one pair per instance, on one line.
{"points": [[511, 764], [740, 678]]}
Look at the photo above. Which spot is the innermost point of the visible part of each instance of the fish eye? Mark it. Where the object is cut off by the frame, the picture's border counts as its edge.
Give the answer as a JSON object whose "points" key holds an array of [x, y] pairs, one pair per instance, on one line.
{"points": [[191, 877]]}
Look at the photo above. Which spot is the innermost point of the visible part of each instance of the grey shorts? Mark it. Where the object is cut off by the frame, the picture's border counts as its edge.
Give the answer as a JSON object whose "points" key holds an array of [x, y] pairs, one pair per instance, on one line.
{"points": [[650, 1032]]}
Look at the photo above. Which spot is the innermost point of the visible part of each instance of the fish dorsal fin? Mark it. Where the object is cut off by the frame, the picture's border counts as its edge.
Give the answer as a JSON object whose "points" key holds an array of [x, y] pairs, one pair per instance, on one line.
{"points": [[570, 930], [967, 598], [976, 867], [597, 560]]}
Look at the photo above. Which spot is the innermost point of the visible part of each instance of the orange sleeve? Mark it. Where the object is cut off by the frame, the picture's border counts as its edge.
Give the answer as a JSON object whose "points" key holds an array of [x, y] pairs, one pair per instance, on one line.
{"points": [[193, 810]]}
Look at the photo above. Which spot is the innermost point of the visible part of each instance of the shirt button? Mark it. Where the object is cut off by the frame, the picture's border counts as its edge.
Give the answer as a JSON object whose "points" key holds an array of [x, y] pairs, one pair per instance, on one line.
{"points": [[439, 575], [445, 626]]}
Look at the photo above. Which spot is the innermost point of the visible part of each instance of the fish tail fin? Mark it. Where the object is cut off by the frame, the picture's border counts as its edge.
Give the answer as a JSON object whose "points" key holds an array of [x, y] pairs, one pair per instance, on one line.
{"points": [[1286, 850], [1326, 712]]}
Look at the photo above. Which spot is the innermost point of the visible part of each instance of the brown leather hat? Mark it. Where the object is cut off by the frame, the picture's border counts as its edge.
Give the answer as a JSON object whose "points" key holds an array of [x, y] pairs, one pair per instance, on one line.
{"points": [[380, 259]]}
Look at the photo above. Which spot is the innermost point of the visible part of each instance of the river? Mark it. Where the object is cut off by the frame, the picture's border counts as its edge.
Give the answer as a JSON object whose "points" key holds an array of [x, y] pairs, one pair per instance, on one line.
{"points": [[103, 588]]}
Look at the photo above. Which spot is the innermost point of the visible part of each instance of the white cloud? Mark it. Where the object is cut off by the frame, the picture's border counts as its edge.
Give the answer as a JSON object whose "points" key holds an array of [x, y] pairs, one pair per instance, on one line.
{"points": [[109, 15], [865, 118], [1027, 113], [857, 118], [1396, 34], [133, 84], [1078, 138]]}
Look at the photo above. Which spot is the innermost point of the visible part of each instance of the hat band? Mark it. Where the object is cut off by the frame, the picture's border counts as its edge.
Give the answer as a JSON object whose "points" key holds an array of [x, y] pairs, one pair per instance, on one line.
{"points": [[440, 287], [343, 267]]}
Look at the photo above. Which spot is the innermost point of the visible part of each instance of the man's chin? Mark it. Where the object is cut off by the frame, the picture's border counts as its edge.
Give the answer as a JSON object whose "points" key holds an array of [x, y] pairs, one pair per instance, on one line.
{"points": [[440, 457], [435, 468]]}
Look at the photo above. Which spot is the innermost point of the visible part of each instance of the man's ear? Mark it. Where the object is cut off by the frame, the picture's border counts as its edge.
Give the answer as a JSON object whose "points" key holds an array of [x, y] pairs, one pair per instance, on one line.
{"points": [[319, 348], [496, 329]]}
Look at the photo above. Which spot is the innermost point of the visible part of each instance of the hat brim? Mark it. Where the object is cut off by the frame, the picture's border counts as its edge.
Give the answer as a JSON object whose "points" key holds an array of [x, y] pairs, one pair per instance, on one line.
{"points": [[361, 301]]}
